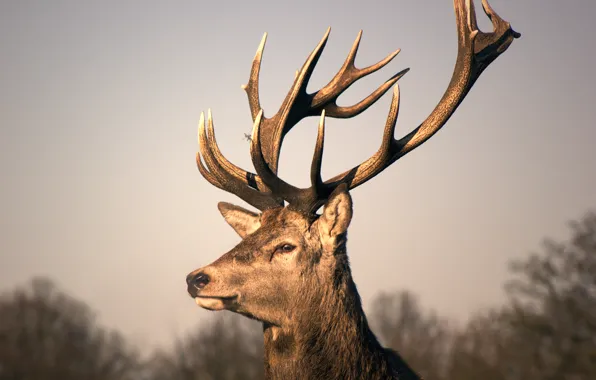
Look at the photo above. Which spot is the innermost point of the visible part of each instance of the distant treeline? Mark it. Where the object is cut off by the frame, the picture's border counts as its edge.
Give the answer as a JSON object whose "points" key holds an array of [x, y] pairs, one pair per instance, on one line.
{"points": [[547, 330]]}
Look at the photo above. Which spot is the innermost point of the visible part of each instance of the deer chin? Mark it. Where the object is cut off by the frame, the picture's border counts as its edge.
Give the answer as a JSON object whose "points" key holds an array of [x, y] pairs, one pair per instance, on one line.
{"points": [[216, 303]]}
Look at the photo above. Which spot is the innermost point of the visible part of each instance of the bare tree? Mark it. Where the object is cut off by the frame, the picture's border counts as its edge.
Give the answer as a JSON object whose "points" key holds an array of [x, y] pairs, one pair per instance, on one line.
{"points": [[486, 349], [548, 330], [229, 348], [47, 335], [554, 303], [291, 269], [423, 336]]}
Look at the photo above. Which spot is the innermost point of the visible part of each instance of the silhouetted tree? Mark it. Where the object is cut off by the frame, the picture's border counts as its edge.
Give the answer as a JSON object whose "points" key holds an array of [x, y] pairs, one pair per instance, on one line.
{"points": [[489, 348], [46, 335], [228, 348], [421, 337], [554, 304], [548, 330]]}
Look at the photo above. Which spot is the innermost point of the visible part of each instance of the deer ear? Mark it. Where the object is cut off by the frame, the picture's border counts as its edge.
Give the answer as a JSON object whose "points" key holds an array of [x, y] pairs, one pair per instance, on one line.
{"points": [[337, 214], [244, 222]]}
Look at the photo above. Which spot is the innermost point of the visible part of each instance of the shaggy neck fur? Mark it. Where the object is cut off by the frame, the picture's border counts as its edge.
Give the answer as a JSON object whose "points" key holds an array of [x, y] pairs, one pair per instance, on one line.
{"points": [[333, 341]]}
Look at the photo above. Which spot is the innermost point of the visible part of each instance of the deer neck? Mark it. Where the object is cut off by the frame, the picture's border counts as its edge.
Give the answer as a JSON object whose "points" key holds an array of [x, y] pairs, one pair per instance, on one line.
{"points": [[328, 337]]}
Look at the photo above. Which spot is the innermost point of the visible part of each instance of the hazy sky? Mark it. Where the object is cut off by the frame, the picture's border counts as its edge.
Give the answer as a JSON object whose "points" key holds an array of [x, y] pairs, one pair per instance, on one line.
{"points": [[99, 104]]}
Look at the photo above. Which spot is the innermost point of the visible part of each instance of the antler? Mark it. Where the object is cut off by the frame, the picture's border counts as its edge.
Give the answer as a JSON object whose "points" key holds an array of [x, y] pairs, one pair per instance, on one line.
{"points": [[476, 50]]}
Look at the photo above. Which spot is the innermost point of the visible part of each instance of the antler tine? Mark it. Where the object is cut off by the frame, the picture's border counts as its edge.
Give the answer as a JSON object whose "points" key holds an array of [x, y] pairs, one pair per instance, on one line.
{"points": [[210, 177], [476, 50], [317, 159], [215, 173], [252, 87], [223, 174], [351, 111], [327, 96]]}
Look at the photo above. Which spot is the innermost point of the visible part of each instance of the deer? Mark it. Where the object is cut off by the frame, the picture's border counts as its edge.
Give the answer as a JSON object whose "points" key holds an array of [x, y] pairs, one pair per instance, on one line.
{"points": [[291, 271]]}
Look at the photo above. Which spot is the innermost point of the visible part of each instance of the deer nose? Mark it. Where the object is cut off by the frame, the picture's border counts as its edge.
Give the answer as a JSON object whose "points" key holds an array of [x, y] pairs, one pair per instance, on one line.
{"points": [[199, 280]]}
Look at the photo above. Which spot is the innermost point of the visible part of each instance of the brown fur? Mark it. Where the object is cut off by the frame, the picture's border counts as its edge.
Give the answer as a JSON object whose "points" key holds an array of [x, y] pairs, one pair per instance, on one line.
{"points": [[331, 339]]}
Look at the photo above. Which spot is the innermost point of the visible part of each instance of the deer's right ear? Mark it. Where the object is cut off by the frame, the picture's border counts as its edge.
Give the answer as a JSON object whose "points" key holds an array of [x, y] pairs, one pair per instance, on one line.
{"points": [[244, 222]]}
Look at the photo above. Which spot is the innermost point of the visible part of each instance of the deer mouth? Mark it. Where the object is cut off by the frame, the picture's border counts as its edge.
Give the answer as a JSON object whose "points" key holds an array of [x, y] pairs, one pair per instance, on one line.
{"points": [[216, 302]]}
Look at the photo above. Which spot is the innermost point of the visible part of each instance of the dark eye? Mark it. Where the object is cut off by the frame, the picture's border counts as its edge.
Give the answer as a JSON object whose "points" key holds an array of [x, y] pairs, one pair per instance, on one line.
{"points": [[286, 248]]}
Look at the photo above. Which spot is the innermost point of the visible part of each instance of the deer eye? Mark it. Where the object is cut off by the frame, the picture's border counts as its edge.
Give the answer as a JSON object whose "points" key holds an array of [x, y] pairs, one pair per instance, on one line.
{"points": [[285, 248]]}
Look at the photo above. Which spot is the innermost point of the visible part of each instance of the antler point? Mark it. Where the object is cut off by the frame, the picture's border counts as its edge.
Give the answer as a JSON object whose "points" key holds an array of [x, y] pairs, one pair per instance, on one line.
{"points": [[201, 127], [256, 126], [261, 45]]}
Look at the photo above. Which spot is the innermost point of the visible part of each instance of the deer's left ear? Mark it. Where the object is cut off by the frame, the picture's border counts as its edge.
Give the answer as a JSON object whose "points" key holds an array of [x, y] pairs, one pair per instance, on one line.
{"points": [[336, 217]]}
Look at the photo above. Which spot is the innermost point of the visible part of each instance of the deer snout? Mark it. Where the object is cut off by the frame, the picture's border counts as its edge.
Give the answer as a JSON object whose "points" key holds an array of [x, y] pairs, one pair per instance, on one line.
{"points": [[196, 281]]}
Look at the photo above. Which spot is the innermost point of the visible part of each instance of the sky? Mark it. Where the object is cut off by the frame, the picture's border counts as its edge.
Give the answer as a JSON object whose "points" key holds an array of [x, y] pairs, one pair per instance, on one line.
{"points": [[99, 106]]}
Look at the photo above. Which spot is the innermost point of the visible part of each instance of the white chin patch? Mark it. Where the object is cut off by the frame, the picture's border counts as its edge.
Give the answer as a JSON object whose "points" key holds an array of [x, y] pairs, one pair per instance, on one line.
{"points": [[210, 303]]}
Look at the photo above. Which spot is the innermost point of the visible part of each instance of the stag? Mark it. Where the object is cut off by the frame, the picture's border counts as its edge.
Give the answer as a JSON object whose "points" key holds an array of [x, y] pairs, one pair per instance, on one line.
{"points": [[291, 270]]}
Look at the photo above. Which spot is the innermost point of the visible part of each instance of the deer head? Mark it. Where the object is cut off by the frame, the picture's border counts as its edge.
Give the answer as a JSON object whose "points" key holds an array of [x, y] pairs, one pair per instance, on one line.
{"points": [[283, 253], [291, 258]]}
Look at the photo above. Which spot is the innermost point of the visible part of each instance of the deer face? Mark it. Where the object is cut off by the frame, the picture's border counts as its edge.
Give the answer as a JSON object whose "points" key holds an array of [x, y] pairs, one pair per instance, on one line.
{"points": [[281, 253]]}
